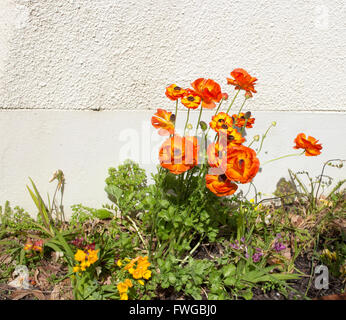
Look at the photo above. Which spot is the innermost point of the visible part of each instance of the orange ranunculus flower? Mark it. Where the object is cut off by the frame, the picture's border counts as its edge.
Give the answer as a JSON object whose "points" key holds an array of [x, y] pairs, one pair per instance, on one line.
{"points": [[240, 121], [310, 145], [217, 152], [191, 150], [242, 80], [242, 164], [179, 154], [221, 121], [234, 137], [220, 185], [175, 92], [191, 100], [164, 121], [209, 91]]}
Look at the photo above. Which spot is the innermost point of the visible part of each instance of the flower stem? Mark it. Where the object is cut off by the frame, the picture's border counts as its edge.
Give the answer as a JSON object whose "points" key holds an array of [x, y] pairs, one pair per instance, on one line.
{"points": [[253, 140], [263, 137], [288, 155], [187, 120], [199, 119], [176, 111], [241, 107], [229, 108], [218, 107]]}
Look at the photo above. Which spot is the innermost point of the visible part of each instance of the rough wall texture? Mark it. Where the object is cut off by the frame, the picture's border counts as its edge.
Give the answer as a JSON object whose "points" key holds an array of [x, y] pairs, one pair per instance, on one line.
{"points": [[120, 54]]}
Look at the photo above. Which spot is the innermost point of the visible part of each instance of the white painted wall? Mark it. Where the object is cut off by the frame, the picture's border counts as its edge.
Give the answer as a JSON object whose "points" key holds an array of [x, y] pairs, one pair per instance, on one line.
{"points": [[59, 59], [84, 144]]}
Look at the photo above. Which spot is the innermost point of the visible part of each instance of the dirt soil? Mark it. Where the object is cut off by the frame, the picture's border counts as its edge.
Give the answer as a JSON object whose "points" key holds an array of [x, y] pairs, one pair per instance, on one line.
{"points": [[303, 263]]}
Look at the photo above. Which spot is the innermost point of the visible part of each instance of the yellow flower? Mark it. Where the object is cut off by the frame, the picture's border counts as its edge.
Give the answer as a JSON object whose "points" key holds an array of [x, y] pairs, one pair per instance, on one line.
{"points": [[142, 259], [141, 282], [83, 266], [259, 207], [330, 255], [122, 287], [138, 266], [80, 255], [92, 256], [119, 263], [147, 274], [124, 296], [76, 269], [128, 282], [129, 265], [144, 264], [137, 274]]}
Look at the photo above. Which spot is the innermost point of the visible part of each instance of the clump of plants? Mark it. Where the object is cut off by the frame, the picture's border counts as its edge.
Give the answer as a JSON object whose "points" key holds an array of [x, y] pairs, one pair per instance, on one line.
{"points": [[189, 234]]}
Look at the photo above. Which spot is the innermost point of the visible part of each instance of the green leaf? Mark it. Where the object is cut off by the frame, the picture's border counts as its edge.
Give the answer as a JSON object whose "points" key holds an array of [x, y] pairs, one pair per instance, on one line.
{"points": [[172, 279], [247, 295], [229, 270], [114, 193], [230, 281], [164, 203], [103, 214]]}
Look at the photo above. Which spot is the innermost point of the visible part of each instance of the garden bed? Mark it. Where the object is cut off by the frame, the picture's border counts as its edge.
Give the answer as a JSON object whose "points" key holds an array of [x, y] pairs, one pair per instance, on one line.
{"points": [[191, 234], [49, 277]]}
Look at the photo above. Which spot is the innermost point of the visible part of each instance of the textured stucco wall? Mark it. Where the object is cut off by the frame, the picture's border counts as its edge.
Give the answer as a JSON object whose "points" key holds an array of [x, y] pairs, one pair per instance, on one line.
{"points": [[117, 54]]}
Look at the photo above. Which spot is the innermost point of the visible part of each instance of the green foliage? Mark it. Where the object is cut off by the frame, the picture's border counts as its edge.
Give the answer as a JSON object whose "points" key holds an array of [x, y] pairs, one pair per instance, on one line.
{"points": [[188, 279], [313, 188], [286, 190], [15, 219], [126, 187], [81, 214], [180, 210]]}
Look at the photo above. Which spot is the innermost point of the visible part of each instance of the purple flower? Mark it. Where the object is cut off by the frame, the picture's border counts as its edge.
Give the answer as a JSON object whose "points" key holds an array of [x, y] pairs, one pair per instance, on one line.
{"points": [[234, 246], [257, 256], [278, 246]]}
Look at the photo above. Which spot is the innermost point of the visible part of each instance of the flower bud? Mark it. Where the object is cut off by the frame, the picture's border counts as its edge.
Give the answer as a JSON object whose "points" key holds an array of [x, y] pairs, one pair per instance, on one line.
{"points": [[274, 123], [256, 137], [203, 125], [189, 126], [248, 95]]}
